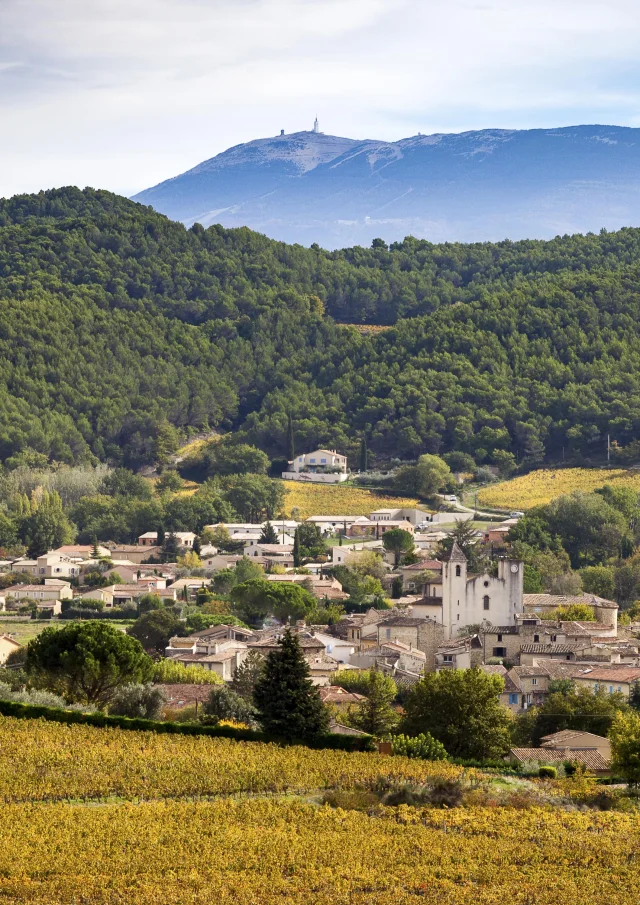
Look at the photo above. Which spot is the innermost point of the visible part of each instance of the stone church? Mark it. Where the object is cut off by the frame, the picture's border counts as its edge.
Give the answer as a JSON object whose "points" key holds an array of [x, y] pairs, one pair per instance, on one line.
{"points": [[459, 599]]}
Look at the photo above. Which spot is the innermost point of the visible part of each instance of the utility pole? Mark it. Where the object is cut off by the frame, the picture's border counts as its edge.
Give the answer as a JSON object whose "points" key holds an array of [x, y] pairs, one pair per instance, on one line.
{"points": [[608, 449]]}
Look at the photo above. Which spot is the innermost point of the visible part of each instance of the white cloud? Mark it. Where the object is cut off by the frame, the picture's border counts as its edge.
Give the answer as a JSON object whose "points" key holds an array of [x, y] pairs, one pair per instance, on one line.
{"points": [[126, 93]]}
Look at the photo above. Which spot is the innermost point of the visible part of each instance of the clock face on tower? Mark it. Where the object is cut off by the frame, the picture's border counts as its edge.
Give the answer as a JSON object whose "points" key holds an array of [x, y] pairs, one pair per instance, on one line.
{"points": [[514, 567]]}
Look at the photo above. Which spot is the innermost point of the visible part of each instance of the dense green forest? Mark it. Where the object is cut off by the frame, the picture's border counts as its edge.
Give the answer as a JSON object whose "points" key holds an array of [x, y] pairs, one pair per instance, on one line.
{"points": [[121, 331]]}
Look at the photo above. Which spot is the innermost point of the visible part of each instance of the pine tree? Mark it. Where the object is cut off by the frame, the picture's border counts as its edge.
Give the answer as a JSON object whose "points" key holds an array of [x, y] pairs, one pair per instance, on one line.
{"points": [[296, 550], [364, 454], [288, 704], [291, 447], [197, 546], [268, 535]]}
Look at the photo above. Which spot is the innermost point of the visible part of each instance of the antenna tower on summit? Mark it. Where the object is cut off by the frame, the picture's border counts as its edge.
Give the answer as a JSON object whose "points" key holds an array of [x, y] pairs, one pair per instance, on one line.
{"points": [[316, 126]]}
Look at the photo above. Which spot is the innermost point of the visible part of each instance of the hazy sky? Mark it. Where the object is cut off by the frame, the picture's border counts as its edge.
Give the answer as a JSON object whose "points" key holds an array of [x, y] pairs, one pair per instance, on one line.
{"points": [[121, 94]]}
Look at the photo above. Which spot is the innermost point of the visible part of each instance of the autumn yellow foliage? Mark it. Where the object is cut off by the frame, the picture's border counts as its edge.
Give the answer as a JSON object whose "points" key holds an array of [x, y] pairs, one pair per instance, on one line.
{"points": [[268, 852], [339, 499], [540, 487]]}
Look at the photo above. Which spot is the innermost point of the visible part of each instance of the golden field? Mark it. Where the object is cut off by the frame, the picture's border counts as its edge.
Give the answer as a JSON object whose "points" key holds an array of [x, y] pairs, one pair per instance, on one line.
{"points": [[338, 499], [540, 487], [263, 852], [110, 817], [47, 761]]}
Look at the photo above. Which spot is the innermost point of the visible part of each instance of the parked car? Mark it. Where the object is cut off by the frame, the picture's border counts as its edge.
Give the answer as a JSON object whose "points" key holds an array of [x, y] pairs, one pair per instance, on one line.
{"points": [[516, 514], [450, 498]]}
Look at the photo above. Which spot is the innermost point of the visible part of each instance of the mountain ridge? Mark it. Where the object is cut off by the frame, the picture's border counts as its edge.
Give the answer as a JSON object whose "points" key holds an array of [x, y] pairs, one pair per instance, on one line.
{"points": [[482, 185]]}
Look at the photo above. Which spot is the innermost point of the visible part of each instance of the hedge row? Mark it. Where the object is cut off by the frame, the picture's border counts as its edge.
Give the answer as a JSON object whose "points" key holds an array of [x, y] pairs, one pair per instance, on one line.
{"points": [[102, 720]]}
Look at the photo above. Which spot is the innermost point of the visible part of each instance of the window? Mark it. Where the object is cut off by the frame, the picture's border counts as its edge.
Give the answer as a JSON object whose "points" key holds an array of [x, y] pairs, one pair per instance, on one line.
{"points": [[486, 584], [485, 601], [388, 632], [610, 689], [529, 699], [536, 639], [499, 637], [458, 571], [312, 460], [553, 639], [322, 461], [534, 681], [619, 687], [447, 658], [499, 652], [513, 698]]}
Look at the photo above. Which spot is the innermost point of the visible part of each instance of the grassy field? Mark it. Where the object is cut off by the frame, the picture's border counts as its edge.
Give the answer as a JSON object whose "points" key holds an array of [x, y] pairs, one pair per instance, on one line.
{"points": [[108, 817], [23, 630], [539, 487], [340, 499]]}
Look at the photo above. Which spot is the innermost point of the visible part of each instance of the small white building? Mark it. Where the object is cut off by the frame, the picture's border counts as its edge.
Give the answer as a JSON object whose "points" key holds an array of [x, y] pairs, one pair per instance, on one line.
{"points": [[323, 466]]}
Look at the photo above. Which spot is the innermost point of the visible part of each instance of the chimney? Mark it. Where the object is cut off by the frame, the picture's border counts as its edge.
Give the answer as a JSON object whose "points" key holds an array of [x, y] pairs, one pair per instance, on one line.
{"points": [[281, 131]]}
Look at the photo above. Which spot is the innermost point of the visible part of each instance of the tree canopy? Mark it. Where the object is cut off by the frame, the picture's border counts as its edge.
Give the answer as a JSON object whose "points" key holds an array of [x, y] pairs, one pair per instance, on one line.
{"points": [[122, 331]]}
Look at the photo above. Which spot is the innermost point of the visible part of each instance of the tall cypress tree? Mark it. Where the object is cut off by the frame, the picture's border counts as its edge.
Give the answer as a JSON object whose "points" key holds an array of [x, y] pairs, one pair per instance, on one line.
{"points": [[296, 550], [291, 447], [288, 704], [364, 454]]}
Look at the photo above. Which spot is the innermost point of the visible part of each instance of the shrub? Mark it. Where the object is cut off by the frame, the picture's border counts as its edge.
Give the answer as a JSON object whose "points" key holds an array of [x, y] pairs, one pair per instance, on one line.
{"points": [[225, 704], [547, 773], [423, 746], [138, 701]]}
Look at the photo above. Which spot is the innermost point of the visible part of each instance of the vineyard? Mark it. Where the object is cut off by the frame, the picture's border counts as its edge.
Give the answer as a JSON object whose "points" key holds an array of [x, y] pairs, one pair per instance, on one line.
{"points": [[167, 839], [539, 487], [338, 499], [44, 761], [267, 851]]}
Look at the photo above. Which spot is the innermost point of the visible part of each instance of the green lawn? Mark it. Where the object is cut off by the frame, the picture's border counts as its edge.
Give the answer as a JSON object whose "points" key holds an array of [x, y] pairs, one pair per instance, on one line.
{"points": [[23, 630]]}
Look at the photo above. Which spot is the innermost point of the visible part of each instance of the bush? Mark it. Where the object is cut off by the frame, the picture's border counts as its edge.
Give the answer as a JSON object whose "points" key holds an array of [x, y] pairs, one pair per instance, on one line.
{"points": [[547, 773], [225, 704], [423, 746], [37, 698], [138, 701]]}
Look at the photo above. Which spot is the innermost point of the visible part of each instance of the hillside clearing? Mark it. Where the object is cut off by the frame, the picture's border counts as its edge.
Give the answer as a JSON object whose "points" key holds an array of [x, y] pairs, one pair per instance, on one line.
{"points": [[542, 486]]}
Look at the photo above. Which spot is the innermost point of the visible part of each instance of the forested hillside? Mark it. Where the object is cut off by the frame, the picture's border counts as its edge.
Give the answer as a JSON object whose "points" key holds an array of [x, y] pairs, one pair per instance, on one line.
{"points": [[119, 329]]}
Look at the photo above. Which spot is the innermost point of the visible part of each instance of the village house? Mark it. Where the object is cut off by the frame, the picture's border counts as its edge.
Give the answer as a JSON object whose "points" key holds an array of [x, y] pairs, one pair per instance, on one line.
{"points": [[332, 524], [324, 466], [134, 553], [415, 517], [609, 679], [47, 597], [412, 575], [8, 645], [340, 698], [424, 634], [82, 551], [461, 653], [281, 552], [122, 595], [592, 751], [341, 554]]}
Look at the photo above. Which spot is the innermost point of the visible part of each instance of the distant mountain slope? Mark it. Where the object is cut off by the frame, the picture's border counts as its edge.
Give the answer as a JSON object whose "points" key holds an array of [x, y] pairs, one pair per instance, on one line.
{"points": [[475, 186]]}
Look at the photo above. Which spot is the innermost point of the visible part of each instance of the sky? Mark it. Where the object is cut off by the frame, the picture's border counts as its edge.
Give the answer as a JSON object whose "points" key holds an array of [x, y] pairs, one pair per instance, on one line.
{"points": [[121, 94]]}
